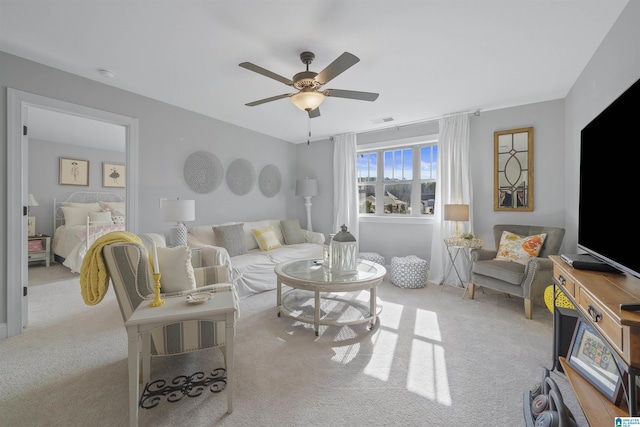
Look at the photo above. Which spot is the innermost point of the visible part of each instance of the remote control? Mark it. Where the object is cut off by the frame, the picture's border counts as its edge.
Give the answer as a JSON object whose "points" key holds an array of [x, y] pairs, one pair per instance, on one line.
{"points": [[630, 307]]}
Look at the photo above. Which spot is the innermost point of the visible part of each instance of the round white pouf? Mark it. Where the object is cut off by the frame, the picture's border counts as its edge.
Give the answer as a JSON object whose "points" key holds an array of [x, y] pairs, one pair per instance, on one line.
{"points": [[372, 256], [409, 272]]}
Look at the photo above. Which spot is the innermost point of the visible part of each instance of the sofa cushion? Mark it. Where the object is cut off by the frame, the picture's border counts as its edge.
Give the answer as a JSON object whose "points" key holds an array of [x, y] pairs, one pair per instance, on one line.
{"points": [[231, 237], [292, 231], [510, 272], [249, 238], [175, 269], [519, 249], [266, 238]]}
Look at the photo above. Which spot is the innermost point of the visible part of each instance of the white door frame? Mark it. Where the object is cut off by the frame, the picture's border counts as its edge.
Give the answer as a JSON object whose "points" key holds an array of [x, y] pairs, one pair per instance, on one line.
{"points": [[17, 103]]}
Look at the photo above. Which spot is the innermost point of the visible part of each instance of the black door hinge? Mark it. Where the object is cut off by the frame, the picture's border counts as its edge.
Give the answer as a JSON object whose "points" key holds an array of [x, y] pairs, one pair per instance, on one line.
{"points": [[25, 211], [24, 130], [24, 291]]}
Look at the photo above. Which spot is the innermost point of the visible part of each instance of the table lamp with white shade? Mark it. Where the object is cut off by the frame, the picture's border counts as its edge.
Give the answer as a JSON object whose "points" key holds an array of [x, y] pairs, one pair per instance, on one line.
{"points": [[179, 211], [307, 188], [456, 213]]}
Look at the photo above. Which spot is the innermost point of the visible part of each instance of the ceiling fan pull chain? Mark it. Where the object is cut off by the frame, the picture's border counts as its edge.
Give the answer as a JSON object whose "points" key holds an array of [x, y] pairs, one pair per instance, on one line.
{"points": [[309, 129]]}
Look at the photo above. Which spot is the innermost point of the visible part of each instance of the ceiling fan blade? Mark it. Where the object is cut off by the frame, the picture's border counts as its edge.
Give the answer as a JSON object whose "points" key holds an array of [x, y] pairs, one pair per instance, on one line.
{"points": [[266, 73], [265, 100], [342, 63], [314, 113], [351, 94]]}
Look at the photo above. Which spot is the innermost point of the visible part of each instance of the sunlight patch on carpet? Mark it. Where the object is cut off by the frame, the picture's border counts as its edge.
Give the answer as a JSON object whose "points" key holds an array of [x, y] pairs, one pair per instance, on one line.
{"points": [[427, 325], [427, 374], [381, 361]]}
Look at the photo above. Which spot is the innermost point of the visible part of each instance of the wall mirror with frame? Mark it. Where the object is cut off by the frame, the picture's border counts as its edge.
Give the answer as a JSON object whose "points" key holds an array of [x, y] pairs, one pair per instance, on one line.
{"points": [[513, 170]]}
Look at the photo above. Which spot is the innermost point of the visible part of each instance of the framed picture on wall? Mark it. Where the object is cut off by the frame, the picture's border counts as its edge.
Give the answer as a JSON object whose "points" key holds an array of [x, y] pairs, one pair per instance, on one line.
{"points": [[74, 172], [591, 356], [113, 175]]}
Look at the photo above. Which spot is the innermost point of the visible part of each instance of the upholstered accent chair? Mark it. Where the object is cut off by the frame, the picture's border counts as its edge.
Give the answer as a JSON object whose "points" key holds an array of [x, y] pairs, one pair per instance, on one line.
{"points": [[132, 279], [527, 280]]}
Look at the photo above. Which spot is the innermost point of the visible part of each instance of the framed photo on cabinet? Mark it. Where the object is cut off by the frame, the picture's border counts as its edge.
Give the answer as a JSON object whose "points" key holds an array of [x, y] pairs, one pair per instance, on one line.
{"points": [[113, 175], [592, 358], [74, 172]]}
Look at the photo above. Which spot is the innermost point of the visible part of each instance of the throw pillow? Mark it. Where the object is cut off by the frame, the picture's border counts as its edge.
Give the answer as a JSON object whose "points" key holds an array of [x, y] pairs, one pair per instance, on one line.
{"points": [[231, 237], [292, 231], [175, 269], [100, 216], [266, 238], [519, 249], [75, 215]]}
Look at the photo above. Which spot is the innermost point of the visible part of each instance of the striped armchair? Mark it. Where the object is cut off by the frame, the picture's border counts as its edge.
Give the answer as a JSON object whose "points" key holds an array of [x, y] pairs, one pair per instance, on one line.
{"points": [[128, 267]]}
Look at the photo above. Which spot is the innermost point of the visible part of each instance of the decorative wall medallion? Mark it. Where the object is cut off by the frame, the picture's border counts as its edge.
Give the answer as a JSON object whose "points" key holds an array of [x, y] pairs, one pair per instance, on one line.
{"points": [[269, 180], [203, 172], [241, 176]]}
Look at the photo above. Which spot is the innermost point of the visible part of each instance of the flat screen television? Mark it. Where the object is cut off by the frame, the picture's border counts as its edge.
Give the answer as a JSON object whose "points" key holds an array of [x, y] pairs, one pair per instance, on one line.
{"points": [[609, 175]]}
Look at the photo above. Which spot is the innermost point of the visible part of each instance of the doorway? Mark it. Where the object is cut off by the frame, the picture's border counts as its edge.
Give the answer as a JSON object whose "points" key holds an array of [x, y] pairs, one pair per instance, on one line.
{"points": [[18, 103]]}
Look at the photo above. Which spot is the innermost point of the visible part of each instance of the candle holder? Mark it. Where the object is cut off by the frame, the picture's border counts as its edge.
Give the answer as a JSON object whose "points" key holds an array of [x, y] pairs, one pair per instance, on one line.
{"points": [[157, 301]]}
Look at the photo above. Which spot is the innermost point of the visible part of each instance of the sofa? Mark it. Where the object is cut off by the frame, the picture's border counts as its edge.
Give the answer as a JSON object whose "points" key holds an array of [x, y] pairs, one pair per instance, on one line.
{"points": [[252, 249]]}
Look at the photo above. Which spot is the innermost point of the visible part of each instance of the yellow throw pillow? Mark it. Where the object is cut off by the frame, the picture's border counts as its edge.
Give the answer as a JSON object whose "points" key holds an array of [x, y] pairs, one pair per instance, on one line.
{"points": [[266, 238], [519, 249]]}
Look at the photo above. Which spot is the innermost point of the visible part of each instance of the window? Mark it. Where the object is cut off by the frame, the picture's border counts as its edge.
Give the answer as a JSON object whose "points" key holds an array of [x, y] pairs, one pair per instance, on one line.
{"points": [[403, 176]]}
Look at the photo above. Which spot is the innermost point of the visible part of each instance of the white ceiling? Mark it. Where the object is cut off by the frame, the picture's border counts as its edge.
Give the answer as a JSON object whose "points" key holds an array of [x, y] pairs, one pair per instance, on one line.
{"points": [[426, 58]]}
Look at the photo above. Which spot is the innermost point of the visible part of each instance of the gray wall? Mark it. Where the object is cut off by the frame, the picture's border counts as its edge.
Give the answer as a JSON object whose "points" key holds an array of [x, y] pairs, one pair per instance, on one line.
{"points": [[44, 169]]}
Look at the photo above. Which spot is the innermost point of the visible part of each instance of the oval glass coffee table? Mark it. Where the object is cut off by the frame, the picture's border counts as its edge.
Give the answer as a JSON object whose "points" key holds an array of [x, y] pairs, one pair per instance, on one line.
{"points": [[310, 275]]}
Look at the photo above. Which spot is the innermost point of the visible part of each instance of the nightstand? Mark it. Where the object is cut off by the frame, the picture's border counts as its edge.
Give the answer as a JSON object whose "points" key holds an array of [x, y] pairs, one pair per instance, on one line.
{"points": [[39, 248]]}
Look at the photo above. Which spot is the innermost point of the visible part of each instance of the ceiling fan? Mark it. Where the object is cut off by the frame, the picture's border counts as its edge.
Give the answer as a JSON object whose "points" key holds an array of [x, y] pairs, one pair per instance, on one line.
{"points": [[309, 83]]}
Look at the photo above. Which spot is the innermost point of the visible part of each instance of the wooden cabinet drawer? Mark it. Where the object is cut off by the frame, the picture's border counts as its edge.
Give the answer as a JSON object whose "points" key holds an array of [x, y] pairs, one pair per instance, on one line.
{"points": [[564, 279], [608, 326]]}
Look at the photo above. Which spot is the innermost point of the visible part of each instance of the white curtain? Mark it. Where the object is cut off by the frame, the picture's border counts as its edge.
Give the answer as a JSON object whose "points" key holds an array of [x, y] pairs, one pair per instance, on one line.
{"points": [[345, 193], [453, 187]]}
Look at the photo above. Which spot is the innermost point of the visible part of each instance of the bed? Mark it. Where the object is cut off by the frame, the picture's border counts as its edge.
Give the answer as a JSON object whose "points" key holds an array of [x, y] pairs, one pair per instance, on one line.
{"points": [[79, 220]]}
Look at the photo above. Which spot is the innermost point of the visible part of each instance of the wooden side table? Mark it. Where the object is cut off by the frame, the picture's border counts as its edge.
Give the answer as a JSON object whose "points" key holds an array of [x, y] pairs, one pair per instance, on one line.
{"points": [[41, 252]]}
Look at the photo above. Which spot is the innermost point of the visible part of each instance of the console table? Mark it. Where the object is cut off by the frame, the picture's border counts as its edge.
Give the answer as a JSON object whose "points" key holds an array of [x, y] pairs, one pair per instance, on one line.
{"points": [[597, 297]]}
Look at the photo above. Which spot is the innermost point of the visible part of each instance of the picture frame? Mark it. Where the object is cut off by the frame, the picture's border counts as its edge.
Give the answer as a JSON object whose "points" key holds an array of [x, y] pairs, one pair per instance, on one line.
{"points": [[113, 175], [513, 170], [591, 357], [74, 172]]}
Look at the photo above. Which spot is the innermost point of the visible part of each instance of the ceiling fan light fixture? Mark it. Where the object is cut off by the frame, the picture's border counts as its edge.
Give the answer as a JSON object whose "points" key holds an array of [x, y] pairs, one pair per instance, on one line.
{"points": [[307, 99]]}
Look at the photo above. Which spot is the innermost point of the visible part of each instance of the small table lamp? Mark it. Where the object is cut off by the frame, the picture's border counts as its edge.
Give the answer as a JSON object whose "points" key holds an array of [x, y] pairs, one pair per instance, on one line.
{"points": [[307, 188], [456, 213], [179, 211]]}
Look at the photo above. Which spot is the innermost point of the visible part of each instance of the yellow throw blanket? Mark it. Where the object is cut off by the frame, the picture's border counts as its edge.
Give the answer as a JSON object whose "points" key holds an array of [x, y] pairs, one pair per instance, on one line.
{"points": [[94, 278]]}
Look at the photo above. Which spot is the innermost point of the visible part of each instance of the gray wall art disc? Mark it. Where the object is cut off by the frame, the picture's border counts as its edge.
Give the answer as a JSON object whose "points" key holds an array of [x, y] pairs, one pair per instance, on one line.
{"points": [[269, 180], [203, 172], [241, 176]]}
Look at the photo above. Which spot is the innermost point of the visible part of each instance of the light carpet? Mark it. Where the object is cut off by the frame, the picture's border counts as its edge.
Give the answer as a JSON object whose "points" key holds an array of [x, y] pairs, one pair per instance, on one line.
{"points": [[435, 359]]}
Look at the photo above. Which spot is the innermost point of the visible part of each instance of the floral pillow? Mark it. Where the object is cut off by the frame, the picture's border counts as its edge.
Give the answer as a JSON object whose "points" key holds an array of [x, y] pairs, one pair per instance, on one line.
{"points": [[519, 249]]}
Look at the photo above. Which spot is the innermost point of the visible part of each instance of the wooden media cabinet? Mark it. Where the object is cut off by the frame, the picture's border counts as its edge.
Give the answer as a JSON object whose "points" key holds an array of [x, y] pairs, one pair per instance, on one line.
{"points": [[597, 297]]}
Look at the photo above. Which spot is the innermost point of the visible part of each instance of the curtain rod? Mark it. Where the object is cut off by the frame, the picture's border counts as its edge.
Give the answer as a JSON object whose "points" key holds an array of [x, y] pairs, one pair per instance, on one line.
{"points": [[423, 121]]}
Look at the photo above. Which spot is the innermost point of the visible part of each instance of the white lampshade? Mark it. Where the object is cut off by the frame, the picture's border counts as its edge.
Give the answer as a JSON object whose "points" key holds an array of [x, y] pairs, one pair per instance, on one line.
{"points": [[456, 212], [179, 210], [307, 99], [32, 201], [306, 187]]}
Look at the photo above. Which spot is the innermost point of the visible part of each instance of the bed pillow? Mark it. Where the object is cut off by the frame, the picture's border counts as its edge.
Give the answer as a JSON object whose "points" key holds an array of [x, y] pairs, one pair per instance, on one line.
{"points": [[231, 237], [91, 206], [100, 216], [519, 249], [175, 268], [292, 231], [266, 238], [116, 208], [75, 215], [118, 219]]}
